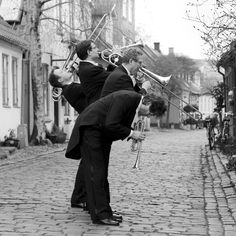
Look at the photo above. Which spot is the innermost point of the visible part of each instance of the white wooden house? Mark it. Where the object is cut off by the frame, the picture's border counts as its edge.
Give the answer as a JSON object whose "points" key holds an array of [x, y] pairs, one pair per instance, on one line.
{"points": [[12, 48]]}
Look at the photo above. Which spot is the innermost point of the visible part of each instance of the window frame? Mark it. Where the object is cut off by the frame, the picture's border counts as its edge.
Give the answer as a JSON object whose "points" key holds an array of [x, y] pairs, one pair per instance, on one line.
{"points": [[45, 86], [15, 91], [5, 80]]}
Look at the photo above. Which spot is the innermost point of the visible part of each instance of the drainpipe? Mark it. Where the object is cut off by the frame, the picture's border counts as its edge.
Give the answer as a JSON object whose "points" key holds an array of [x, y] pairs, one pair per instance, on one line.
{"points": [[223, 75]]}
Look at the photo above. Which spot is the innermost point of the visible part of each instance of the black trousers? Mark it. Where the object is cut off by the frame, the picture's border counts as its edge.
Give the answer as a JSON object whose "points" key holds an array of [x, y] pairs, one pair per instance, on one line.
{"points": [[79, 192], [95, 150]]}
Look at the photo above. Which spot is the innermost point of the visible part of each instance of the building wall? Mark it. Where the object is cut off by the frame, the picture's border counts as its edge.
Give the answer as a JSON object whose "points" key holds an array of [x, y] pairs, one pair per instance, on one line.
{"points": [[124, 24], [77, 15], [10, 116], [206, 104]]}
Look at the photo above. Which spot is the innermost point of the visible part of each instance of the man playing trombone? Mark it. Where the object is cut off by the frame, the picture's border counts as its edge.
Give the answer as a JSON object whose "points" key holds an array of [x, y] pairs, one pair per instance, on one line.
{"points": [[92, 77], [123, 77]]}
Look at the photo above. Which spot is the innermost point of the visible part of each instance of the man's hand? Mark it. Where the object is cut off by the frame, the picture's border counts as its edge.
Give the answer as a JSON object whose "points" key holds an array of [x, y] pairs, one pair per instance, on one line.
{"points": [[137, 135], [146, 85]]}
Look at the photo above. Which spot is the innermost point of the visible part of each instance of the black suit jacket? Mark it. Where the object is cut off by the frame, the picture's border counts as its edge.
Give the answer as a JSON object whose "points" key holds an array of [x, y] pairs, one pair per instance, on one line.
{"points": [[92, 79], [112, 115], [118, 80], [75, 96]]}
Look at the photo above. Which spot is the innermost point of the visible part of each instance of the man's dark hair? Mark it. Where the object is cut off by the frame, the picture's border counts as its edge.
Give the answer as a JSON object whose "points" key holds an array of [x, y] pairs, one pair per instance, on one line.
{"points": [[131, 53], [82, 49], [53, 79], [158, 107]]}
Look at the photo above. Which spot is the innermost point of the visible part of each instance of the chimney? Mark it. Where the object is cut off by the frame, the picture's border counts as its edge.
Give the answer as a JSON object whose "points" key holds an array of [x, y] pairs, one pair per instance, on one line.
{"points": [[157, 46], [171, 51]]}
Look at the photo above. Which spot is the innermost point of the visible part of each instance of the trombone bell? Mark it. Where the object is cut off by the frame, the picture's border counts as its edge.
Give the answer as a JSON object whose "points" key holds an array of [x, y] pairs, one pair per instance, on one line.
{"points": [[160, 79]]}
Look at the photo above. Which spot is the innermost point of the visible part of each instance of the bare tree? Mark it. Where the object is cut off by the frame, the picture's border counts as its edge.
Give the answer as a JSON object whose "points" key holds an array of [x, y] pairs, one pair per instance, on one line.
{"points": [[33, 13], [216, 21], [181, 68]]}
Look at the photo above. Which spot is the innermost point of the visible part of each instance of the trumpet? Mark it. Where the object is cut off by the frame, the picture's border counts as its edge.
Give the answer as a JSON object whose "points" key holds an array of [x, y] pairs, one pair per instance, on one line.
{"points": [[137, 145]]}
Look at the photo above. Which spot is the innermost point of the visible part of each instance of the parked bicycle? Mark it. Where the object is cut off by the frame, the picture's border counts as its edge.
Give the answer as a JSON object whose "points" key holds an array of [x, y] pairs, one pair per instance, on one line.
{"points": [[211, 131]]}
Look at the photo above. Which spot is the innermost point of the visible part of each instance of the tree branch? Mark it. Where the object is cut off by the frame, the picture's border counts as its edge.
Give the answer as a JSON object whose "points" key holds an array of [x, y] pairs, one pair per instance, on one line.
{"points": [[63, 24], [56, 5], [44, 1]]}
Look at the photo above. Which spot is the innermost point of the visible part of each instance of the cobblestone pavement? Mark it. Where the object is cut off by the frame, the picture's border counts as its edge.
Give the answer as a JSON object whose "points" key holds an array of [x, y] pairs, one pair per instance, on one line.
{"points": [[181, 189]]}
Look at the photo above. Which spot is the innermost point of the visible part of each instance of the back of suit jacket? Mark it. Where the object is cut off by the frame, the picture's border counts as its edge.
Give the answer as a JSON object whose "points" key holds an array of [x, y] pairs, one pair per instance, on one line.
{"points": [[75, 96], [118, 80], [92, 79], [113, 115]]}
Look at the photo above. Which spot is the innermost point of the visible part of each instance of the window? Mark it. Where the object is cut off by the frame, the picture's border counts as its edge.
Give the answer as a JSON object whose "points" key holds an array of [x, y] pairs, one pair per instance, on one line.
{"points": [[5, 98], [59, 17], [45, 90], [130, 10], [124, 10], [72, 16], [15, 81]]}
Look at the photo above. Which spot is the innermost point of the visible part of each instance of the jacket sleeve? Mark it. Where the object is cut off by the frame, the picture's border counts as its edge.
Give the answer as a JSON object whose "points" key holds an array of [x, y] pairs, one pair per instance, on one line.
{"points": [[115, 128]]}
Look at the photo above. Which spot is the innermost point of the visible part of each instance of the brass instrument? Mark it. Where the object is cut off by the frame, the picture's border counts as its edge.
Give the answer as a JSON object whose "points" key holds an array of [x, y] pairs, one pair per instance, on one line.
{"points": [[69, 64], [112, 58], [94, 38], [163, 82], [137, 144]]}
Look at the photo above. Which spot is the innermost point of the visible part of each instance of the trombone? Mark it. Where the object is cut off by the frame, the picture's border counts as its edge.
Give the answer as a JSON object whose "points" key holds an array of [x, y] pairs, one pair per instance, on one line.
{"points": [[56, 92], [112, 58], [163, 82]]}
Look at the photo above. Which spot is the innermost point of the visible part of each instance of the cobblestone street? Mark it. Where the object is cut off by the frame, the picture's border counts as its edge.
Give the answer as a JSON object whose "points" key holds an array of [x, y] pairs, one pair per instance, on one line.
{"points": [[181, 189]]}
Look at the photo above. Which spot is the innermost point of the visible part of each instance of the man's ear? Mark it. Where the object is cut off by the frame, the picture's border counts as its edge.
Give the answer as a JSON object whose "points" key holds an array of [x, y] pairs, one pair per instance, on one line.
{"points": [[88, 52]]}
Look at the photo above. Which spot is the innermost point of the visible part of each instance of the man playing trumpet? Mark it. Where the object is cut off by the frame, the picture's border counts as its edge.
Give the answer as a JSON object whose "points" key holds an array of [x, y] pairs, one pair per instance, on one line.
{"points": [[102, 122]]}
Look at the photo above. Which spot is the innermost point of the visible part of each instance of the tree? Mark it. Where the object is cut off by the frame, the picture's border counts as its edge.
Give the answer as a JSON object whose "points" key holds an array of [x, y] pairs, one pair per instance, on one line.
{"points": [[215, 20], [33, 13], [181, 68]]}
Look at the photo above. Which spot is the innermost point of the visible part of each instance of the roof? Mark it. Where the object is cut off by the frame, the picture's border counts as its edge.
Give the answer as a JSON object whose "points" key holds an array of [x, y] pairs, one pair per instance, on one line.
{"points": [[10, 10], [9, 35]]}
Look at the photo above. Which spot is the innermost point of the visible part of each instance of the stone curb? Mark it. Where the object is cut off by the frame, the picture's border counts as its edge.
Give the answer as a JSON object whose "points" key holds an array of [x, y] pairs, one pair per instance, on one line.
{"points": [[31, 157]]}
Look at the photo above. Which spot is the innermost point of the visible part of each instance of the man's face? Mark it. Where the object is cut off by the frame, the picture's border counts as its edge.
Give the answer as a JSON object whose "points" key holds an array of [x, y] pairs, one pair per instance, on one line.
{"points": [[135, 65], [64, 76], [93, 53]]}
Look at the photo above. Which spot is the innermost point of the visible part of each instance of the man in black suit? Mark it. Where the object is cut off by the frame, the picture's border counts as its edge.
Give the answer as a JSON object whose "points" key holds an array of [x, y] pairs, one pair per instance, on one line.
{"points": [[123, 76], [92, 75], [106, 120], [72, 91]]}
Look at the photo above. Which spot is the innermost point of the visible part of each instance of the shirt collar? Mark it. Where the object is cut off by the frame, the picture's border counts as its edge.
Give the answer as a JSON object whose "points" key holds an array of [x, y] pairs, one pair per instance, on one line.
{"points": [[92, 62], [131, 76]]}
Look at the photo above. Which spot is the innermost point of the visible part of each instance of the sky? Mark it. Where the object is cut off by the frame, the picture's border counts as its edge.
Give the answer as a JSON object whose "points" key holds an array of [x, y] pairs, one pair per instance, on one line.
{"points": [[165, 21]]}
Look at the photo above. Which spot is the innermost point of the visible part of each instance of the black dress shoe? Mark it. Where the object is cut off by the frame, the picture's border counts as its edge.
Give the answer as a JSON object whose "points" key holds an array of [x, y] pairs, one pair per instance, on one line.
{"points": [[81, 205], [108, 221], [117, 215], [117, 218]]}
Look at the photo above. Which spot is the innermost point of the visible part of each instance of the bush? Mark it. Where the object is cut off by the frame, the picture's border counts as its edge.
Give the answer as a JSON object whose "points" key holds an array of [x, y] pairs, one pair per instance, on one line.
{"points": [[56, 135]]}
